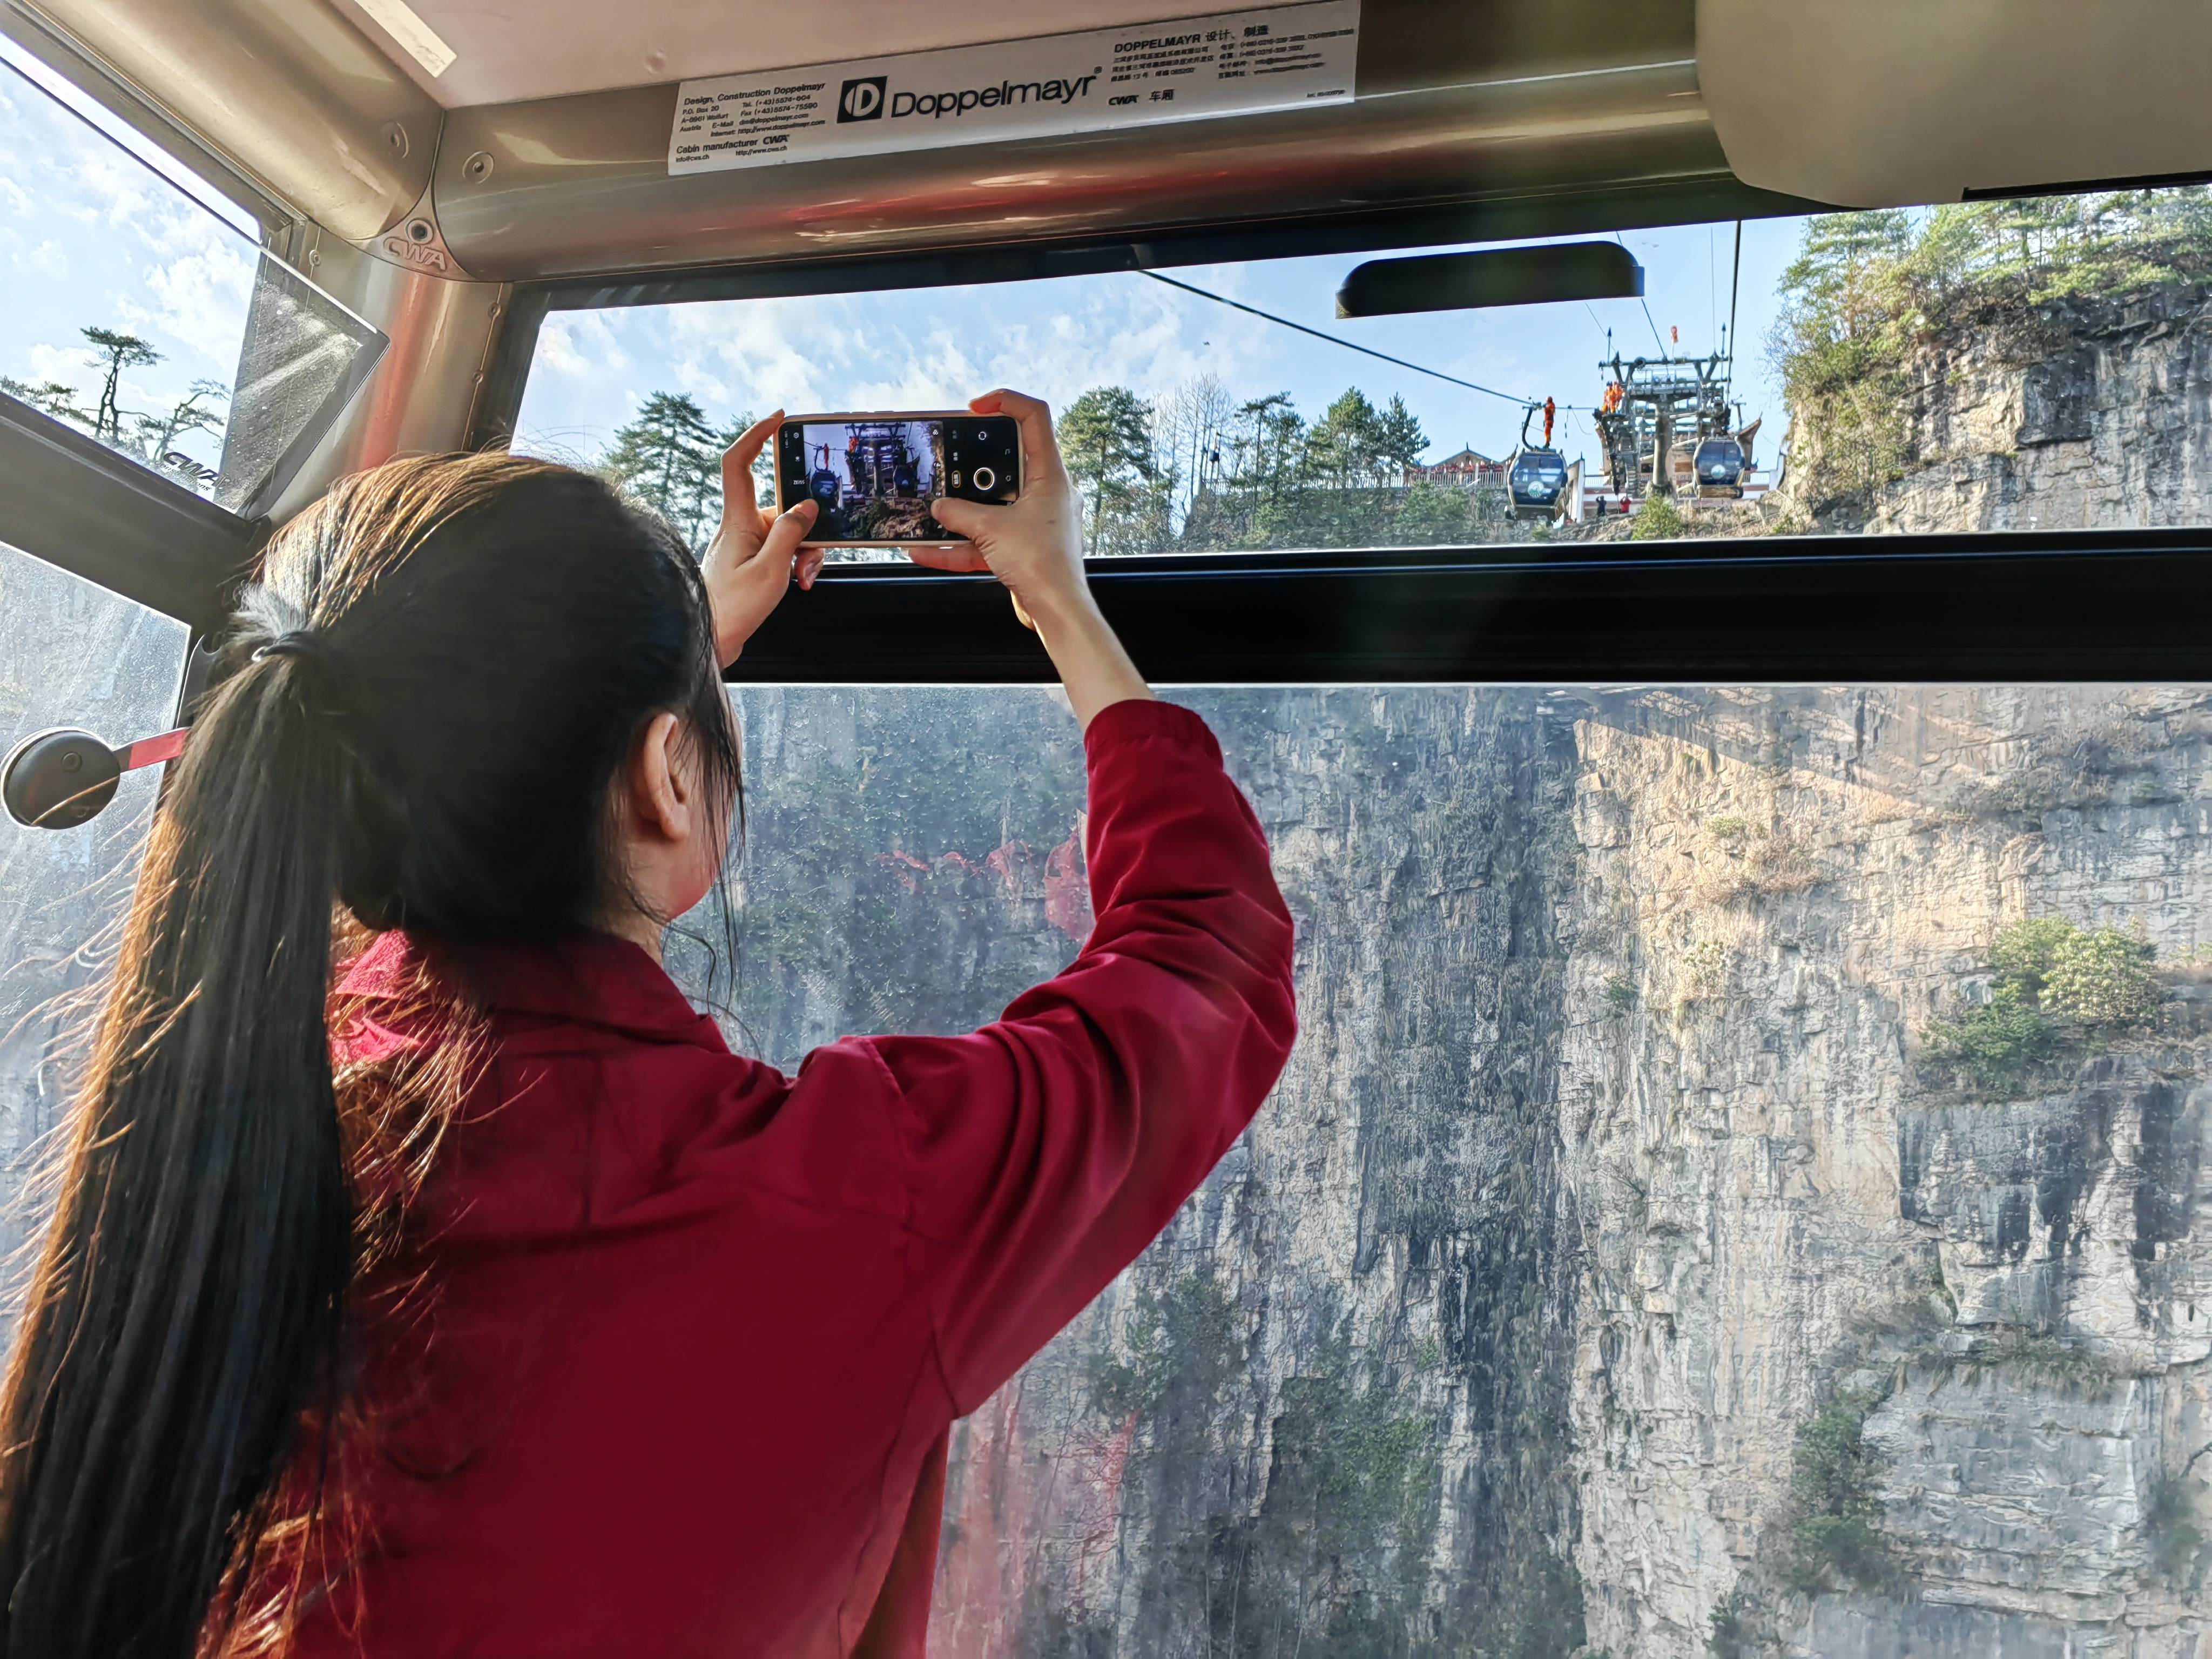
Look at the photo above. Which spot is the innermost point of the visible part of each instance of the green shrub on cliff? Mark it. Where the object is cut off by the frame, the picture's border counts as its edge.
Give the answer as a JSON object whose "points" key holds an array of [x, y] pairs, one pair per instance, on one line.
{"points": [[1996, 1043], [2057, 986], [1657, 520], [2023, 953], [2102, 978], [1834, 1536]]}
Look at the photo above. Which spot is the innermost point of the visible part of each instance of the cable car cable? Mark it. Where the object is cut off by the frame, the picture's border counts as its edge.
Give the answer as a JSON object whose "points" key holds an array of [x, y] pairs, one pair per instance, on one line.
{"points": [[1350, 345], [1640, 300], [1736, 280]]}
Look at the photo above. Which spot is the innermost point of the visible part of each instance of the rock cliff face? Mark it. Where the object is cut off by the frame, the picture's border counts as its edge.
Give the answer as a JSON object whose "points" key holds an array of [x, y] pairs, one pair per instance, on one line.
{"points": [[1608, 1185], [2010, 1290], [2084, 413]]}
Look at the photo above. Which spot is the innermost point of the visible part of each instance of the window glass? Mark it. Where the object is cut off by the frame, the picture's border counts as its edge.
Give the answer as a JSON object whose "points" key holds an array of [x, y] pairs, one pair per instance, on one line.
{"points": [[1985, 365], [70, 654], [127, 298], [1743, 1179], [141, 310]]}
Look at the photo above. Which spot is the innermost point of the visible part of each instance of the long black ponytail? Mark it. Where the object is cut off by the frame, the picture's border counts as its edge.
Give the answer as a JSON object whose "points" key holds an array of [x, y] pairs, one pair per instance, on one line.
{"points": [[428, 701]]}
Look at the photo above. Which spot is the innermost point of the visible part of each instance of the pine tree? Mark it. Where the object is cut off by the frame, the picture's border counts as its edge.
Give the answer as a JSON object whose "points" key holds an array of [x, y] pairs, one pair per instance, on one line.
{"points": [[1106, 440], [1270, 446], [53, 398], [118, 351], [1340, 447], [670, 457], [1836, 277], [1399, 441], [159, 435]]}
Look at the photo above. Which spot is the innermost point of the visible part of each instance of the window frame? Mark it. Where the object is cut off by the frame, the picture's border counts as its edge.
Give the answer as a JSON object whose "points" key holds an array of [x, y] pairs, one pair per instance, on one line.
{"points": [[76, 503], [2053, 606], [2009, 607]]}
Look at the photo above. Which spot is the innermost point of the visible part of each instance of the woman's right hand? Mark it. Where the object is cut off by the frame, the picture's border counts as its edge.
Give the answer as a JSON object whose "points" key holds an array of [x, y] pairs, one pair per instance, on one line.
{"points": [[1034, 546]]}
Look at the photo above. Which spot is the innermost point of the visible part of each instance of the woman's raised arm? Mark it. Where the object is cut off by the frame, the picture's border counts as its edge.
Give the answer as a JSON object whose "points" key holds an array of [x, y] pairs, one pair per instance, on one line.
{"points": [[1034, 547], [1047, 1150]]}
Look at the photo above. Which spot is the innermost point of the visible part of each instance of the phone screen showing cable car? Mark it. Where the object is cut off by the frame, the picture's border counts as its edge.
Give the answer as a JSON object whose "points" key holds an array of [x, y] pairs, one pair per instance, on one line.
{"points": [[872, 476]]}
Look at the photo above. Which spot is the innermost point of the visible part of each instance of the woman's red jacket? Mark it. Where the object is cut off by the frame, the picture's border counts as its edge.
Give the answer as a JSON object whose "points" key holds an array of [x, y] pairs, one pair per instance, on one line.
{"points": [[677, 1375]]}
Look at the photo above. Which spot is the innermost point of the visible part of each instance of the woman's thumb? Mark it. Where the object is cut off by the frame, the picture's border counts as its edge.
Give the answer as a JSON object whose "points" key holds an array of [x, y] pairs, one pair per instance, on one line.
{"points": [[969, 518], [781, 545]]}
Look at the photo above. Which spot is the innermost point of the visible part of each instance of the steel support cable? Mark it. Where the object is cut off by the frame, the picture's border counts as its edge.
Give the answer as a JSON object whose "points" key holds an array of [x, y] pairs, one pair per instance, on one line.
{"points": [[1735, 281], [1351, 345], [1656, 340]]}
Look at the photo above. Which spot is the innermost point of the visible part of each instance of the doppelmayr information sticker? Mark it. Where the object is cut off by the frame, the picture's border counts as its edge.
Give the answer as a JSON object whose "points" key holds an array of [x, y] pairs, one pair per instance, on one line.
{"points": [[1229, 64]]}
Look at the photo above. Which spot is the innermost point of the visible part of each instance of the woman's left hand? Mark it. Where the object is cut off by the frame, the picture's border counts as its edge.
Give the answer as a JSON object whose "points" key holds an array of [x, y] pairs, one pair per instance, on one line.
{"points": [[755, 555]]}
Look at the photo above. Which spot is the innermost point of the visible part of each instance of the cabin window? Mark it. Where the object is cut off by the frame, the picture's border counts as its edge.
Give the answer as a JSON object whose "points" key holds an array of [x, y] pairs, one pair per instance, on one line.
{"points": [[1761, 1117], [76, 655], [1788, 1089], [1986, 366], [142, 311], [128, 290]]}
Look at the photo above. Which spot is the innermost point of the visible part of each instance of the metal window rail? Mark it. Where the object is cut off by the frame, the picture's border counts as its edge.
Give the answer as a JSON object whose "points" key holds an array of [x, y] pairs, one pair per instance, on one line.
{"points": [[68, 499], [2122, 605]]}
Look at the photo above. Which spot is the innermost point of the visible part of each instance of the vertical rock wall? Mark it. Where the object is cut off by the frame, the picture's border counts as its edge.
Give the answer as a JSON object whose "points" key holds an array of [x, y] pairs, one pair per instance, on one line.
{"points": [[1327, 1411], [2084, 413], [1607, 1164], [1793, 884]]}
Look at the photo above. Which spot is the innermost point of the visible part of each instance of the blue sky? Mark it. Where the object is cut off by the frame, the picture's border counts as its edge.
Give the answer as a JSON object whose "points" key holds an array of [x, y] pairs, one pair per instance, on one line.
{"points": [[934, 348], [95, 234]]}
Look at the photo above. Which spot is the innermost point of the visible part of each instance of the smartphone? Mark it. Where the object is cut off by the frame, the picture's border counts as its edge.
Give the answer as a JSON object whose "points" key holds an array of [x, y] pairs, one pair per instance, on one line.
{"points": [[873, 475]]}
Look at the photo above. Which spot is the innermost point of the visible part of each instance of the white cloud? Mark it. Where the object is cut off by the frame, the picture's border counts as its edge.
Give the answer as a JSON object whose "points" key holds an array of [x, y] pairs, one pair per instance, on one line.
{"points": [[936, 349], [201, 295], [581, 343], [102, 185], [63, 364]]}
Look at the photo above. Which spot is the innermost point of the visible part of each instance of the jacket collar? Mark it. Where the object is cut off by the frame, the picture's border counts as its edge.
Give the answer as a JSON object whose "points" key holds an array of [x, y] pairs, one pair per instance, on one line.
{"points": [[585, 978]]}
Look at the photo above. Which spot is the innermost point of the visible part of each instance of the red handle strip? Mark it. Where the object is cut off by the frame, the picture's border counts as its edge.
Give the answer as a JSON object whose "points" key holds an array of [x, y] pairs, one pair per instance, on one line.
{"points": [[152, 751]]}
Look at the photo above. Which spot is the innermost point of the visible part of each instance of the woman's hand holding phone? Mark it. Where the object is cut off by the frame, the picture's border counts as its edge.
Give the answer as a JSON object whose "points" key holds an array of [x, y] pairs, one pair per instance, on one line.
{"points": [[756, 554], [1034, 546]]}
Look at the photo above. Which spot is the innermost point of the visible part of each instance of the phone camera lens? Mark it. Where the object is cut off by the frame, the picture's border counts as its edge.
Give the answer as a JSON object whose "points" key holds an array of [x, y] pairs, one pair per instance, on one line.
{"points": [[984, 479]]}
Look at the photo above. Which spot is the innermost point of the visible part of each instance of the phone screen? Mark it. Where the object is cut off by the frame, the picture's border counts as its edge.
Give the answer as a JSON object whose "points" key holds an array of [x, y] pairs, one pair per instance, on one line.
{"points": [[873, 477]]}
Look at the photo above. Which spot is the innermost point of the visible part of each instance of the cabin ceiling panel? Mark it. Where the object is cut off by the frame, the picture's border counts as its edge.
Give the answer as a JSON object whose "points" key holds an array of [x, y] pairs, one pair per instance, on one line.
{"points": [[521, 49]]}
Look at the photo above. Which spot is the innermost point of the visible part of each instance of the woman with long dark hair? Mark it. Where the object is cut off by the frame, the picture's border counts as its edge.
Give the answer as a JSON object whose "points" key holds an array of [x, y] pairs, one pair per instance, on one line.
{"points": [[426, 1277]]}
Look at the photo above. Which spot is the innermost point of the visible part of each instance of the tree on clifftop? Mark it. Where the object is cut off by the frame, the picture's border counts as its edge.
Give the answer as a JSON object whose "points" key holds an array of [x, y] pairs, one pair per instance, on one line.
{"points": [[117, 352], [1106, 440], [1868, 290], [670, 457]]}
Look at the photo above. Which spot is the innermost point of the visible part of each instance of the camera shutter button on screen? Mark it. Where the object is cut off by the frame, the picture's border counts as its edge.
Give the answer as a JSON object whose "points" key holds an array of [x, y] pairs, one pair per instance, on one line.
{"points": [[984, 479]]}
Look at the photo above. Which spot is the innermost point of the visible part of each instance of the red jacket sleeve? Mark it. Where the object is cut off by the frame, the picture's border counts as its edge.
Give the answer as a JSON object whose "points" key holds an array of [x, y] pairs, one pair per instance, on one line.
{"points": [[1047, 1150]]}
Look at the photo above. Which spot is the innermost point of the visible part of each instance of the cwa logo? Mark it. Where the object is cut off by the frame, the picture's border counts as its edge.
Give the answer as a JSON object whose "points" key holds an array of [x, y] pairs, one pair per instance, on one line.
{"points": [[862, 99]]}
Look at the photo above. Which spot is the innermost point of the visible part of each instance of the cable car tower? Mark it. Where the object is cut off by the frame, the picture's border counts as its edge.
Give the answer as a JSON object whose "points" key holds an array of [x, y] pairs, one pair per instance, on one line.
{"points": [[1677, 407]]}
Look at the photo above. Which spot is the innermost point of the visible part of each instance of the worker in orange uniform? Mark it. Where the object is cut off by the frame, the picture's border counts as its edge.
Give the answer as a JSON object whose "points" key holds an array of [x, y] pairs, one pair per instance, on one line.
{"points": [[1551, 413]]}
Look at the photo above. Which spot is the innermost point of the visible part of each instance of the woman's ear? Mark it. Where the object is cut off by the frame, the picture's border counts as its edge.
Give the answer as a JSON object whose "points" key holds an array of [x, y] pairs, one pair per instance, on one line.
{"points": [[662, 798]]}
